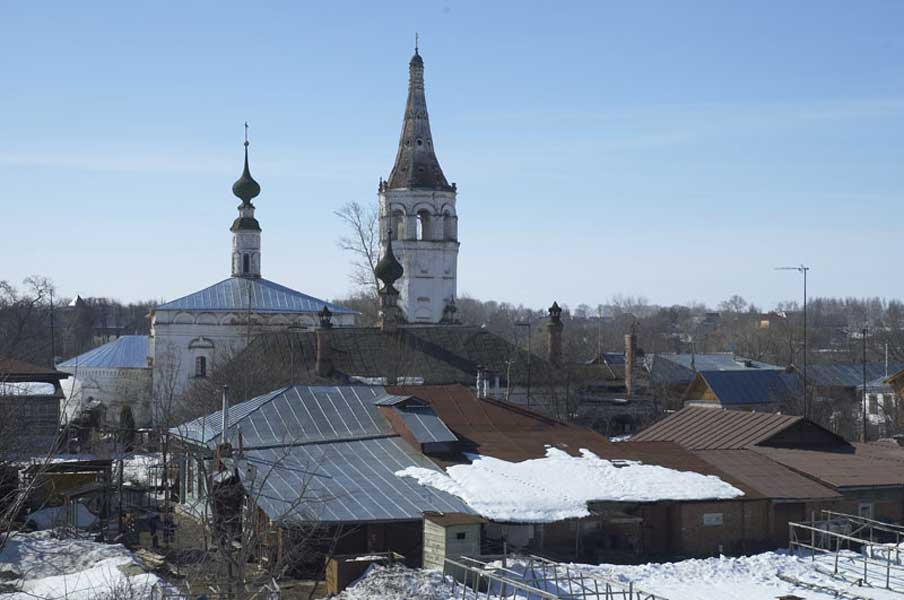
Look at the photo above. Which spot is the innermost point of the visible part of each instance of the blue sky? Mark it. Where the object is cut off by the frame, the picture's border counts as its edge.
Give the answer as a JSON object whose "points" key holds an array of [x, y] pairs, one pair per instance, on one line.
{"points": [[675, 150]]}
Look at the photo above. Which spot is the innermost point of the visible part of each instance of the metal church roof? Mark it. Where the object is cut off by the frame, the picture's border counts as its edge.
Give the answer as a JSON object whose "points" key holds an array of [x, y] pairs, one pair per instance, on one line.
{"points": [[254, 294], [125, 352]]}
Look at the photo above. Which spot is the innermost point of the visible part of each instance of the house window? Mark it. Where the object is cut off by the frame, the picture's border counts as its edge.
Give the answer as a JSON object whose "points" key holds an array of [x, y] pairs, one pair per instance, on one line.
{"points": [[201, 366], [873, 404], [460, 535], [865, 510]]}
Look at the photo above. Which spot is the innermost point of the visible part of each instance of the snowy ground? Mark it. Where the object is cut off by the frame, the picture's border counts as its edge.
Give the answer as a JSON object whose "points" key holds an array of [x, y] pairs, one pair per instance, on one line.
{"points": [[37, 565], [559, 486], [755, 577]]}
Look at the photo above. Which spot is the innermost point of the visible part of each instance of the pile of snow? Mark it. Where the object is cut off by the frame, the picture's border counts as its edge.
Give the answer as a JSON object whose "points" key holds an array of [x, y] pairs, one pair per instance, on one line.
{"points": [[401, 583], [559, 486], [55, 516], [72, 569], [135, 467]]}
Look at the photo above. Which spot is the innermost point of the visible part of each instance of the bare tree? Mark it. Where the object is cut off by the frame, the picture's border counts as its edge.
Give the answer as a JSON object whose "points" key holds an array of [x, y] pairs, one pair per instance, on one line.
{"points": [[363, 242]]}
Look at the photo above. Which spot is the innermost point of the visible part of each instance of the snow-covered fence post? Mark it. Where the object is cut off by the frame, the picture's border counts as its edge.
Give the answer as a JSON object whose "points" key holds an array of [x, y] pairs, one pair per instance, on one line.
{"points": [[867, 549], [888, 569], [837, 552]]}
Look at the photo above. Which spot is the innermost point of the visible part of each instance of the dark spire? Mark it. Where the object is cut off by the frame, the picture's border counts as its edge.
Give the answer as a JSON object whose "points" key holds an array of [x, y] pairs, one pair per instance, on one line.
{"points": [[416, 165], [388, 270], [246, 187]]}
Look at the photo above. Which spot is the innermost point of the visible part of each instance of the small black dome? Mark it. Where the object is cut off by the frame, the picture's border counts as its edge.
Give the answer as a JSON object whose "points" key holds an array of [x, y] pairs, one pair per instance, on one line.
{"points": [[246, 187], [388, 270]]}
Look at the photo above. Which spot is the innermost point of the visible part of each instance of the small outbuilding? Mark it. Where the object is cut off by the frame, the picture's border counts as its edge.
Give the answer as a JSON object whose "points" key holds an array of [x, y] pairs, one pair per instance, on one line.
{"points": [[450, 535]]}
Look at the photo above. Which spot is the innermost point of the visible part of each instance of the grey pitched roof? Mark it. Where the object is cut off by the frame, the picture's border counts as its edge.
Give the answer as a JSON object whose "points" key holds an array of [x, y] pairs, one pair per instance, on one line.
{"points": [[441, 354], [297, 414], [752, 386], [847, 374], [342, 482], [255, 294], [125, 352], [424, 424], [678, 369], [324, 453]]}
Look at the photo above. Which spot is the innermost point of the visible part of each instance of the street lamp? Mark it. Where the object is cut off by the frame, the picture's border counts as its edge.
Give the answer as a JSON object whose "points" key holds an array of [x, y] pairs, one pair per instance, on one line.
{"points": [[803, 270]]}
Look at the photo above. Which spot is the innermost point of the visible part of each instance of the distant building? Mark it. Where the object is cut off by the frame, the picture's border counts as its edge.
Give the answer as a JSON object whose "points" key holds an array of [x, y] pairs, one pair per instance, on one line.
{"points": [[115, 374], [764, 390], [189, 335], [30, 399], [840, 381], [882, 408]]}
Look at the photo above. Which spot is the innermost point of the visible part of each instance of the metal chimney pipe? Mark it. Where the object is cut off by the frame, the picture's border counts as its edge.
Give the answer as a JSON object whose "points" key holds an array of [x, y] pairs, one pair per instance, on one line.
{"points": [[225, 424]]}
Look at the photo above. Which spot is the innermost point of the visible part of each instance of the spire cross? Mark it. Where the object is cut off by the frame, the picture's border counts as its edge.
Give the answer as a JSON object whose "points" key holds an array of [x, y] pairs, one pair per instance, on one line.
{"points": [[246, 134]]}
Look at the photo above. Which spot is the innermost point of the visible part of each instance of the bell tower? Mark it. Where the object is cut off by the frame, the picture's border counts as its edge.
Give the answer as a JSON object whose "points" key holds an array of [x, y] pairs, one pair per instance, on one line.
{"points": [[417, 207], [246, 231]]}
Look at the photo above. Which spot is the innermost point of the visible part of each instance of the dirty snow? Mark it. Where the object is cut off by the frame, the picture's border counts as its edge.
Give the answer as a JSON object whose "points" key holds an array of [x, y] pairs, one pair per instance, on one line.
{"points": [[135, 467], [400, 583], [74, 569], [559, 486]]}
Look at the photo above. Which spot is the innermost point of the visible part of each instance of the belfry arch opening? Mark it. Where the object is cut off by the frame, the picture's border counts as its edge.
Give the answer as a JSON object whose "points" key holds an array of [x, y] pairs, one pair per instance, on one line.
{"points": [[423, 225]]}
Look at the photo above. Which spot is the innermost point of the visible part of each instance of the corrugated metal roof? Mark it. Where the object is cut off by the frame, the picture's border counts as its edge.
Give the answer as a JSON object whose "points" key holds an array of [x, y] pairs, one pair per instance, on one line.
{"points": [[343, 481], [769, 478], [758, 386], [255, 294], [856, 466], [297, 414], [715, 428], [677, 369], [847, 374], [425, 425], [126, 352]]}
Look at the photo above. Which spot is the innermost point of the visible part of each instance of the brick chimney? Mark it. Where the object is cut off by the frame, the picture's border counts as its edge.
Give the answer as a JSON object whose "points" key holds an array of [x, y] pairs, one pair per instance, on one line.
{"points": [[554, 329], [630, 355], [324, 358]]}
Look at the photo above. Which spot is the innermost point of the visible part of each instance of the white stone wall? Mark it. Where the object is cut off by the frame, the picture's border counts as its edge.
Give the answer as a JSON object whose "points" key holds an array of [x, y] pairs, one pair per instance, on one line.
{"points": [[113, 387], [246, 242], [428, 255], [178, 338]]}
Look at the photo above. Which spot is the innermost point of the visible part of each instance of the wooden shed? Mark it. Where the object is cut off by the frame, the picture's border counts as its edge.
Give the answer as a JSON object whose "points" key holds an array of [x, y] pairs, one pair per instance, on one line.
{"points": [[450, 535]]}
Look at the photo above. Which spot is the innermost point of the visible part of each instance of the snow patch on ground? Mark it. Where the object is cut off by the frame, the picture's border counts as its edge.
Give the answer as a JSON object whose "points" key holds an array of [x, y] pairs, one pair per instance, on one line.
{"points": [[135, 467], [74, 569], [559, 486], [721, 578], [55, 516]]}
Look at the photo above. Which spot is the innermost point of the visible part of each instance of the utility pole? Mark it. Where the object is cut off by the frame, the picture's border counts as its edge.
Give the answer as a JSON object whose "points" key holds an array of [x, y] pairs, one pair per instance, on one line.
{"points": [[863, 401], [802, 269], [528, 325], [52, 334]]}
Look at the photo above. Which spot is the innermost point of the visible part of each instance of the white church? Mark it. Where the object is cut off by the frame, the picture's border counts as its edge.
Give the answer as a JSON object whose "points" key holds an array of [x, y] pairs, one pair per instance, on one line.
{"points": [[191, 335]]}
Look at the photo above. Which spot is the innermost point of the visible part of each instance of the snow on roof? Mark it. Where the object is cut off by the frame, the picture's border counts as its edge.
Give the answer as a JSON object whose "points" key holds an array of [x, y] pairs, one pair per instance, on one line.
{"points": [[27, 388], [559, 486], [125, 352]]}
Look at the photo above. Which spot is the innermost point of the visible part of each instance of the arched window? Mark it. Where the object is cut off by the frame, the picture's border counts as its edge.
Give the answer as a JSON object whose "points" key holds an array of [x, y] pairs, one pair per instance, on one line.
{"points": [[423, 225], [398, 224], [448, 226], [246, 263], [201, 366]]}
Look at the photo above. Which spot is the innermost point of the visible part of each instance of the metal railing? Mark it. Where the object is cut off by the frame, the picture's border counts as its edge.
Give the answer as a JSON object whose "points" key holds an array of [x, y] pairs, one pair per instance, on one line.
{"points": [[850, 547], [533, 577]]}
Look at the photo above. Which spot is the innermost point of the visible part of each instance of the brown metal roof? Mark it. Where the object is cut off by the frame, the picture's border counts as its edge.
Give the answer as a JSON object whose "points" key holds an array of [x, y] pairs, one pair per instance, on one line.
{"points": [[700, 428], [11, 367], [767, 477], [854, 466], [514, 433]]}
